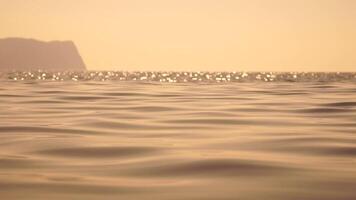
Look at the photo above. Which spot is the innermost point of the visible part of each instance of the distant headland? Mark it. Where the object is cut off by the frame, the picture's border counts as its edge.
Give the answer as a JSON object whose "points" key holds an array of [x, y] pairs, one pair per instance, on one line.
{"points": [[29, 54]]}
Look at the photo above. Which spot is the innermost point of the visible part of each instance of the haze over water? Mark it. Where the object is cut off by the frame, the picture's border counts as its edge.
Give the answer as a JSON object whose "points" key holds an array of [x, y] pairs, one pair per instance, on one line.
{"points": [[177, 135]]}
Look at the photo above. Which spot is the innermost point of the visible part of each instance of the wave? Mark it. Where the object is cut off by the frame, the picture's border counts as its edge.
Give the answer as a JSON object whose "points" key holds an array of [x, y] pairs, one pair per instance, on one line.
{"points": [[118, 135]]}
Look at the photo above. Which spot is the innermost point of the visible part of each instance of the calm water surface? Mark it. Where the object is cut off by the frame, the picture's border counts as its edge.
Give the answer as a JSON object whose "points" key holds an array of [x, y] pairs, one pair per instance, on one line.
{"points": [[134, 140]]}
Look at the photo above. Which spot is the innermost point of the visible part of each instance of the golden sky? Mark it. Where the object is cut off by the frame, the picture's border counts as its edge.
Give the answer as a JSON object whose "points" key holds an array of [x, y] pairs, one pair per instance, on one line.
{"points": [[215, 35]]}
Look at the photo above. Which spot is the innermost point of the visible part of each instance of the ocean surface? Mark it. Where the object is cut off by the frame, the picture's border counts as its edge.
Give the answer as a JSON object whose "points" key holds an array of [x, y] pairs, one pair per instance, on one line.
{"points": [[177, 136]]}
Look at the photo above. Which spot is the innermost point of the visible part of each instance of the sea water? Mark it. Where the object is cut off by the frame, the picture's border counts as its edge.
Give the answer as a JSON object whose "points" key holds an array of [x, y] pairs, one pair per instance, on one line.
{"points": [[177, 135]]}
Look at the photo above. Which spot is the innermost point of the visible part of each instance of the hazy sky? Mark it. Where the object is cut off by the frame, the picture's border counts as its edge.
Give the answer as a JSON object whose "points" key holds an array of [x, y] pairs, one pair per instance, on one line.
{"points": [[252, 35]]}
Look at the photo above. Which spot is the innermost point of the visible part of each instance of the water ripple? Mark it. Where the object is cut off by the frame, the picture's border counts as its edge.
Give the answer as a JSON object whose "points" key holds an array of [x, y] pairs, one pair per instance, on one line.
{"points": [[203, 135]]}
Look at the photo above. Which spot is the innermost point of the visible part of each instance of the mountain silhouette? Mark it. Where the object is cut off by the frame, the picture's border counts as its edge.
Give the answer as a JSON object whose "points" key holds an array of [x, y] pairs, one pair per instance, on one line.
{"points": [[30, 54]]}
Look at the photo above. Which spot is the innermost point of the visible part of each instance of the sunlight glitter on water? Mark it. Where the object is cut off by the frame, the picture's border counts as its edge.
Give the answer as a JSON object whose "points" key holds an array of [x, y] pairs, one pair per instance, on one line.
{"points": [[180, 77]]}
